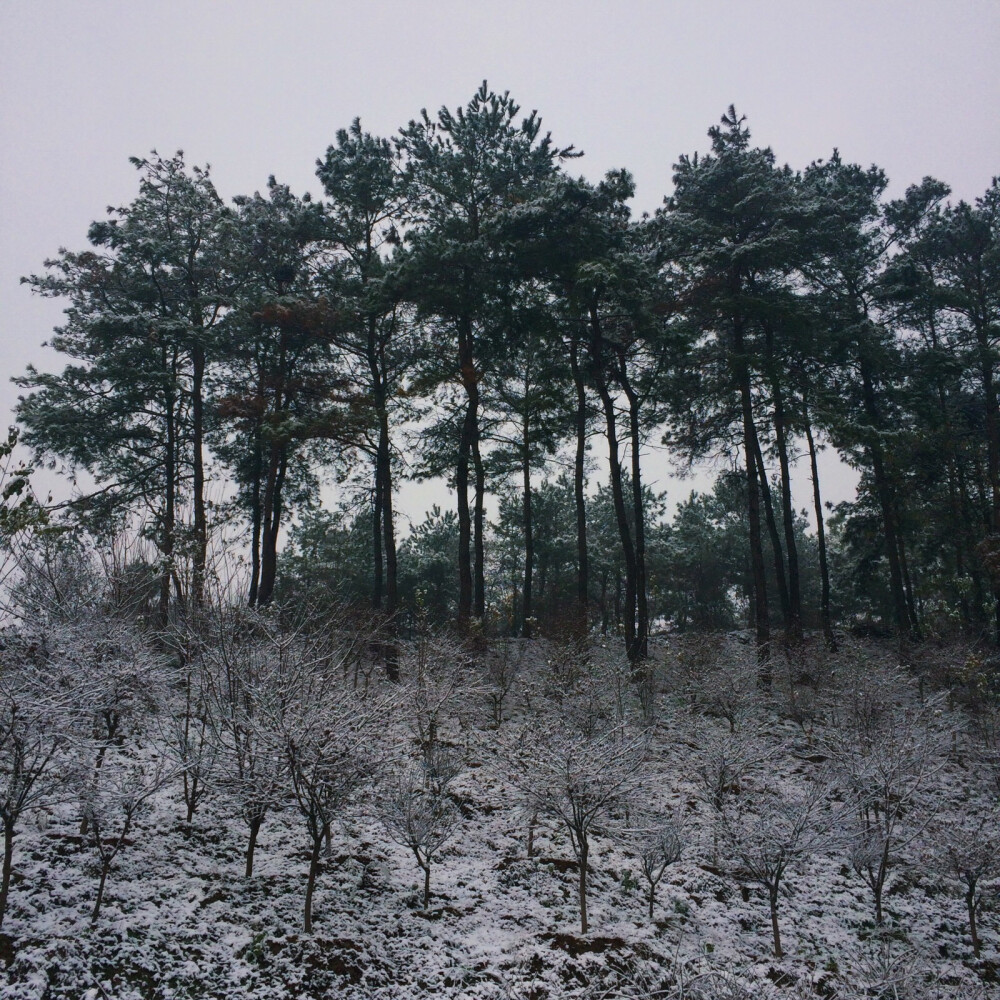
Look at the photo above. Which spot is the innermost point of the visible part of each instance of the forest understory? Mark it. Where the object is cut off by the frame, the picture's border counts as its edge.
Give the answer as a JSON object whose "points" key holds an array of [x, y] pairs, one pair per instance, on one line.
{"points": [[859, 783]]}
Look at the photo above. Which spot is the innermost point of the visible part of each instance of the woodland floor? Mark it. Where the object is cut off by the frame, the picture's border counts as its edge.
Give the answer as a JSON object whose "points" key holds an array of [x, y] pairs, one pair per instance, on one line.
{"points": [[180, 920]]}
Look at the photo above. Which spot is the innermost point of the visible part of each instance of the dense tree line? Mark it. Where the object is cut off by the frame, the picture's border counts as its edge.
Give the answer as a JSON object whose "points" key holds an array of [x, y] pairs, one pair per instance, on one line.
{"points": [[459, 303]]}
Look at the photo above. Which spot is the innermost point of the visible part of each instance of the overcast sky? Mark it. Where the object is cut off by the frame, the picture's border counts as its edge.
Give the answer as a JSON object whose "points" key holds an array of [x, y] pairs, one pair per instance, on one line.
{"points": [[258, 88]]}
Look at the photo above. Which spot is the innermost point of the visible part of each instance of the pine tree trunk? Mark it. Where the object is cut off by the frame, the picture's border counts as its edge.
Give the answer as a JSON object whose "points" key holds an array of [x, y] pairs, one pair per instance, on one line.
{"points": [[579, 493], [992, 405], [388, 524], [759, 597], [884, 492], [277, 466], [200, 553], [169, 508], [255, 523], [479, 530], [376, 599], [639, 517], [824, 568], [462, 476], [775, 537], [911, 607], [617, 488], [788, 519], [529, 540]]}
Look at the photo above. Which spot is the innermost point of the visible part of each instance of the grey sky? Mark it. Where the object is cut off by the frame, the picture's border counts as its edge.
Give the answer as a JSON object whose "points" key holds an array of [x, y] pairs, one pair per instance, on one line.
{"points": [[256, 88]]}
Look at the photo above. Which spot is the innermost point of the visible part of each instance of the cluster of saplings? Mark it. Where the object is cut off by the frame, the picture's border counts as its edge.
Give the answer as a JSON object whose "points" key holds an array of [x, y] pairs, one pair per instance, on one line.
{"points": [[458, 296], [267, 710]]}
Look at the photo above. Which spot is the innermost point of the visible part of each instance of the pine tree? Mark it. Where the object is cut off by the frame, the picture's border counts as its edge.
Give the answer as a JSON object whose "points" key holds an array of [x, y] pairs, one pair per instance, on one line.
{"points": [[144, 306], [463, 168]]}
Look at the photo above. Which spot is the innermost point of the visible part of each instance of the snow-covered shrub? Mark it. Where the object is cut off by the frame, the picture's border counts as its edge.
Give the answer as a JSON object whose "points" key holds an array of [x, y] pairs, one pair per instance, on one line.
{"points": [[39, 730], [966, 848], [188, 724], [329, 737], [503, 664], [885, 759], [721, 760], [419, 817], [579, 780], [657, 842], [113, 796], [438, 675], [767, 832], [246, 658]]}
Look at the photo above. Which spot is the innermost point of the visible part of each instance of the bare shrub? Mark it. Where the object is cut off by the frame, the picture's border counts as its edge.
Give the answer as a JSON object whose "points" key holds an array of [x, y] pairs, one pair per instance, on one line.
{"points": [[113, 797], [420, 818], [329, 738], [986, 745], [768, 833], [38, 723], [885, 759], [723, 759], [579, 780], [885, 969], [728, 687], [503, 666], [248, 659], [125, 682], [966, 849], [657, 843], [869, 689], [189, 724], [437, 677]]}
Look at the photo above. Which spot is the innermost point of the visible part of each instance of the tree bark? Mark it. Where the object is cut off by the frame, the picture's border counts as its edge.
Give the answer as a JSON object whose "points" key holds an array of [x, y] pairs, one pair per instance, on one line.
{"points": [[479, 529], [788, 519], [388, 518], [311, 883], [824, 568], [169, 504], [773, 897], [529, 540], [95, 913], [469, 427], [277, 466], [617, 489], [8, 864], [775, 537], [255, 825], [759, 596], [970, 903], [579, 492], [200, 554], [427, 883], [884, 492], [255, 522], [638, 515]]}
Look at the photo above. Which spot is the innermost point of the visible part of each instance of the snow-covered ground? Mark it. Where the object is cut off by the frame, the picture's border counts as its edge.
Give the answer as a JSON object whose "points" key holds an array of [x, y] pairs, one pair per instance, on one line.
{"points": [[180, 919]]}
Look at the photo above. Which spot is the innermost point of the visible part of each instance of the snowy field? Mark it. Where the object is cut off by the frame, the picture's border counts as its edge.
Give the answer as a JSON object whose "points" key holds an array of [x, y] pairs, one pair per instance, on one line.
{"points": [[851, 768]]}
